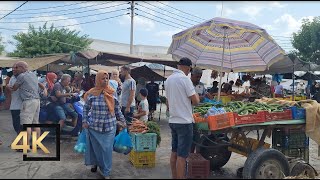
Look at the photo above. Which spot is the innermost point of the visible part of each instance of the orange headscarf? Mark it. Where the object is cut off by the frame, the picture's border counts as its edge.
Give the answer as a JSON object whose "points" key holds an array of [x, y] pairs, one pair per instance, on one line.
{"points": [[50, 77], [107, 91]]}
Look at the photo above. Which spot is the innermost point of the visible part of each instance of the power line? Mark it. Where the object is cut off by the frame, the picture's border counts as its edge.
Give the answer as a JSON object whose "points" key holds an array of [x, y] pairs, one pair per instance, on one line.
{"points": [[71, 12], [171, 12], [181, 11], [63, 10], [71, 24], [49, 7], [163, 18], [13, 10], [67, 18], [157, 21], [164, 14]]}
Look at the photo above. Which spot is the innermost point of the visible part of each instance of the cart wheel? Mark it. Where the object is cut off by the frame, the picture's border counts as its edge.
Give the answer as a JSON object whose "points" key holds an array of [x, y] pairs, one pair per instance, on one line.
{"points": [[304, 170], [218, 156], [266, 164]]}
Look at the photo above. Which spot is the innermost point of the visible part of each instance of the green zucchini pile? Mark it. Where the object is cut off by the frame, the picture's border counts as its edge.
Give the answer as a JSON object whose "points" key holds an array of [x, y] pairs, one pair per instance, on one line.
{"points": [[202, 108], [252, 107]]}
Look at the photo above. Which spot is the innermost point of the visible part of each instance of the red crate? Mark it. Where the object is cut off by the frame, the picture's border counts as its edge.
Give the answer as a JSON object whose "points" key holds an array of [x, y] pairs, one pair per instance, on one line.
{"points": [[274, 116], [197, 167], [221, 121], [198, 118], [260, 117]]}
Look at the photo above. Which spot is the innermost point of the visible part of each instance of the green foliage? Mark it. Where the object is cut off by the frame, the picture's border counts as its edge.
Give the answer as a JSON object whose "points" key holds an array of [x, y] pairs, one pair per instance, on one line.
{"points": [[1, 46], [307, 41], [36, 41]]}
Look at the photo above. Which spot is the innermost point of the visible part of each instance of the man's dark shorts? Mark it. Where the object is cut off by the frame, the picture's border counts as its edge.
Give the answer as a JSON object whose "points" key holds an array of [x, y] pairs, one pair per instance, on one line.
{"points": [[182, 135]]}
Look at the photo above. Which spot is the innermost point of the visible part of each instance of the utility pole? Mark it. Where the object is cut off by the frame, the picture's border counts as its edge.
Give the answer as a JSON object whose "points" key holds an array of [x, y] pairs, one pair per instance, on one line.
{"points": [[131, 33]]}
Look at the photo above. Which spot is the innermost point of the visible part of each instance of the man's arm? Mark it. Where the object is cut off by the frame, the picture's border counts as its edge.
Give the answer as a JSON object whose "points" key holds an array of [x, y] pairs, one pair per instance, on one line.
{"points": [[195, 100], [59, 94]]}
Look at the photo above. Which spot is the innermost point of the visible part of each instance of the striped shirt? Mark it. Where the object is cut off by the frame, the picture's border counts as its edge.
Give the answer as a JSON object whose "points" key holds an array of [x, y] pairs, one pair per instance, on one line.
{"points": [[101, 119]]}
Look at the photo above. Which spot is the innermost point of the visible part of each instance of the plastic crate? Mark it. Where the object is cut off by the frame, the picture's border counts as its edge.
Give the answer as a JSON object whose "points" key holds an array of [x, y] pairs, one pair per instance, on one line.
{"points": [[202, 126], [274, 116], [298, 113], [299, 98], [260, 117], [302, 153], [144, 142], [224, 99], [289, 138], [197, 167], [221, 121], [142, 159], [198, 118]]}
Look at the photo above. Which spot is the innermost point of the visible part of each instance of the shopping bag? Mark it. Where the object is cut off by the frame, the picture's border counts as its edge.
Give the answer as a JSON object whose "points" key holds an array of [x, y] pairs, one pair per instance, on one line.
{"points": [[80, 146], [122, 142]]}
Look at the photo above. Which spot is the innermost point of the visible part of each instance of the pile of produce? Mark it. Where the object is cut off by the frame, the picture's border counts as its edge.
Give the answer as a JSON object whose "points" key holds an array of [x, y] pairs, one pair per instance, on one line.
{"points": [[154, 128], [203, 108], [253, 107], [138, 126]]}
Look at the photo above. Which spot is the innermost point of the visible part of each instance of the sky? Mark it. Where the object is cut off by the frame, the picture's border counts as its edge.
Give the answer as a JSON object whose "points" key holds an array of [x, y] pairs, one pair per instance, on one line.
{"points": [[155, 22]]}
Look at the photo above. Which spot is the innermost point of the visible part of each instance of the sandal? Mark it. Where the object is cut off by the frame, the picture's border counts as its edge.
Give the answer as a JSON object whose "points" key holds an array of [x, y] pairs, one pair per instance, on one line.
{"points": [[94, 168]]}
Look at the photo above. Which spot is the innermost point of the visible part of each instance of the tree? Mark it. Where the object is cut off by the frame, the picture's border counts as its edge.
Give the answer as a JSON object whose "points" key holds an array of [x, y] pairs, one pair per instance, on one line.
{"points": [[48, 41], [307, 41], [1, 45]]}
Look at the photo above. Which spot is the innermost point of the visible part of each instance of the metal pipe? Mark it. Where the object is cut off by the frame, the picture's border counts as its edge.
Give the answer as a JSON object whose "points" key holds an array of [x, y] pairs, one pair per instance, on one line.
{"points": [[131, 31], [220, 73]]}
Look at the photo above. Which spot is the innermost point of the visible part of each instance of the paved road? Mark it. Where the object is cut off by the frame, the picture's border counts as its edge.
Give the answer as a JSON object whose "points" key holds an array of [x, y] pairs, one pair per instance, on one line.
{"points": [[71, 165]]}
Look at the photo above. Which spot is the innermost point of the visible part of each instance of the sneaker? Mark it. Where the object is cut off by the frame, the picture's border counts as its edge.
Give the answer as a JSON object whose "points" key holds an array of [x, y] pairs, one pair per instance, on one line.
{"points": [[94, 168], [107, 177]]}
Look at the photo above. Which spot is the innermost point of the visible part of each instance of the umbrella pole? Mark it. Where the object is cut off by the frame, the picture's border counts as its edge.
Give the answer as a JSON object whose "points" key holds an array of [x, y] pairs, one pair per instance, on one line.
{"points": [[164, 75], [293, 77], [220, 73]]}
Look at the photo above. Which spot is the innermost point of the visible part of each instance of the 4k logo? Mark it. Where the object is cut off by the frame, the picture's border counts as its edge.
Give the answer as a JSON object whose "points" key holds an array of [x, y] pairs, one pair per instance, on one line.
{"points": [[37, 142]]}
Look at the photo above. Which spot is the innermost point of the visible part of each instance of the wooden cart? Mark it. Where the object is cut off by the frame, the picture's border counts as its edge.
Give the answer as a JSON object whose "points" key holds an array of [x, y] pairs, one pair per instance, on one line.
{"points": [[262, 162]]}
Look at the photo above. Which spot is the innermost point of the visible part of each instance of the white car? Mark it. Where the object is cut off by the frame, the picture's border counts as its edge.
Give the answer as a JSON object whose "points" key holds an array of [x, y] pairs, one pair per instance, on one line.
{"points": [[298, 85]]}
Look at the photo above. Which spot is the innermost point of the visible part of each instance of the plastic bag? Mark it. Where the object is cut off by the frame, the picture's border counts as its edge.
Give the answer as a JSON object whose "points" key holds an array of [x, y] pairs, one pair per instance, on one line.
{"points": [[80, 146], [122, 142]]}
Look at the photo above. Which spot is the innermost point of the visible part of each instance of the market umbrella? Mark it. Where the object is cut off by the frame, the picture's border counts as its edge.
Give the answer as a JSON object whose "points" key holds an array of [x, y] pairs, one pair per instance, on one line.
{"points": [[227, 45]]}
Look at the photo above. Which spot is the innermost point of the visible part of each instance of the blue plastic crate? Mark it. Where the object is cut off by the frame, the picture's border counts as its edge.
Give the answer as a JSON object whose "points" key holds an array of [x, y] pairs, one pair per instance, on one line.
{"points": [[298, 113], [144, 142]]}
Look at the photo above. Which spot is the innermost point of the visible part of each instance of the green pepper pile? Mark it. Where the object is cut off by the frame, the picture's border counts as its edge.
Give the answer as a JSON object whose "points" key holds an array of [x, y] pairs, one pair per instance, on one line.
{"points": [[203, 108]]}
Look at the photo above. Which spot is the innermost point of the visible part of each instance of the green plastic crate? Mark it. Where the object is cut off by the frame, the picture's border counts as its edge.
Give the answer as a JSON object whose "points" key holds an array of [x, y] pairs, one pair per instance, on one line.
{"points": [[144, 142], [202, 126]]}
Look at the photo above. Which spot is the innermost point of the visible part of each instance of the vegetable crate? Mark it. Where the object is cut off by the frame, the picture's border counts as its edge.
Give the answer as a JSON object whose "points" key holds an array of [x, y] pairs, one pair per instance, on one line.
{"points": [[144, 142], [260, 117], [221, 121], [289, 138], [198, 118], [273, 116], [302, 153], [298, 113], [239, 140], [202, 126], [142, 159], [224, 99], [197, 167]]}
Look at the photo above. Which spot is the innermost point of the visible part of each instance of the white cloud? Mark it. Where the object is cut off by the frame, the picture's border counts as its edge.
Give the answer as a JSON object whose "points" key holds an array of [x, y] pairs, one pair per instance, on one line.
{"points": [[227, 12], [268, 27], [7, 6], [291, 24], [254, 9], [276, 4], [167, 33], [140, 23]]}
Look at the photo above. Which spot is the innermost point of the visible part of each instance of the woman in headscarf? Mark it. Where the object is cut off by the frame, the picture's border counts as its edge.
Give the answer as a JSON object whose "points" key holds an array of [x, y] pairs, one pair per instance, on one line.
{"points": [[46, 107], [115, 76], [101, 127]]}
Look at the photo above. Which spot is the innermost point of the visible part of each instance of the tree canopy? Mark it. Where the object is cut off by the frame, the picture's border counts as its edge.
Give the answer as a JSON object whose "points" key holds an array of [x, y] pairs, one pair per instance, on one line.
{"points": [[50, 40], [307, 41]]}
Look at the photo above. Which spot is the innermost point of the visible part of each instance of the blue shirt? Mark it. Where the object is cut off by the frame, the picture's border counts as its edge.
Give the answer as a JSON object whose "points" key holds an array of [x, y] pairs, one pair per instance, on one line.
{"points": [[101, 119]]}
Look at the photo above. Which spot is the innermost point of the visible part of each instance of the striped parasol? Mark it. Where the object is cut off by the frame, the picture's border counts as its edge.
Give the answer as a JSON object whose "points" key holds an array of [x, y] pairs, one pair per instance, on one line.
{"points": [[227, 45]]}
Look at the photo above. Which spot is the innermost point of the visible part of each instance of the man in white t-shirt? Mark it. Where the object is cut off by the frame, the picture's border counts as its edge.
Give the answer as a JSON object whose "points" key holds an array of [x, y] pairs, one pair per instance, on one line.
{"points": [[181, 95]]}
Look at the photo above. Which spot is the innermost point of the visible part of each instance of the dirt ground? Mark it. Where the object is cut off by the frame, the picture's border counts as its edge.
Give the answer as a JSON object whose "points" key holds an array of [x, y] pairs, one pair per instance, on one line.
{"points": [[72, 164]]}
